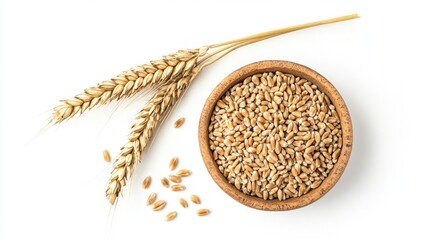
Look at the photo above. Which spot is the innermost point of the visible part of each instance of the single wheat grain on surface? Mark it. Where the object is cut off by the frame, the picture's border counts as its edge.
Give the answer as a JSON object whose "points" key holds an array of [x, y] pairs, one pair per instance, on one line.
{"points": [[177, 187], [173, 163], [175, 179], [178, 123], [106, 155], [275, 136], [146, 182], [170, 216], [183, 203], [151, 198], [195, 199], [183, 173], [165, 182], [203, 212], [159, 205]]}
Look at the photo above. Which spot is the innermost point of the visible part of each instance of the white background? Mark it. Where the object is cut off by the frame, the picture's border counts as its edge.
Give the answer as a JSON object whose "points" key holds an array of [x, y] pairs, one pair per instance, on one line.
{"points": [[53, 182]]}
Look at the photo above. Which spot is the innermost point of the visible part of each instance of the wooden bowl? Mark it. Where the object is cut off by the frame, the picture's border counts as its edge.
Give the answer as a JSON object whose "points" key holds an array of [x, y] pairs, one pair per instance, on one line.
{"points": [[297, 70]]}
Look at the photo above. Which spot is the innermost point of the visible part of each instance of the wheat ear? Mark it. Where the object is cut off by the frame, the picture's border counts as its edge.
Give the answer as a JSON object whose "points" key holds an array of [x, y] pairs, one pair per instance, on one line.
{"points": [[129, 82], [141, 132]]}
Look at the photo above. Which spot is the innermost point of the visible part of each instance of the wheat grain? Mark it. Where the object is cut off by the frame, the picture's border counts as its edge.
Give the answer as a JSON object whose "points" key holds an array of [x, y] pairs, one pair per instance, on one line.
{"points": [[195, 199], [146, 183], [165, 182], [170, 216], [183, 203], [203, 212], [183, 173], [173, 163], [159, 205], [175, 179], [316, 184], [151, 199], [106, 155], [178, 123], [178, 187]]}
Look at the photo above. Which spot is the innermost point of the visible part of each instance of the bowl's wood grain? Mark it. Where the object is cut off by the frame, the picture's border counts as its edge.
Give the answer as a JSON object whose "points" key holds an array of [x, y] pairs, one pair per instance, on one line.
{"points": [[285, 67]]}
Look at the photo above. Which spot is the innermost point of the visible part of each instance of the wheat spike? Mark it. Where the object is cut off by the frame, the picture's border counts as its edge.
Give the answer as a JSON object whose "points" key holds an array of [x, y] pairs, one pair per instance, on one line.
{"points": [[129, 82], [141, 132]]}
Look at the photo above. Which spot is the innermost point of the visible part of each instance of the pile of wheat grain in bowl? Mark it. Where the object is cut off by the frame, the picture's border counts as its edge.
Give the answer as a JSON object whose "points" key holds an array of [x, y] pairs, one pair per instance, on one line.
{"points": [[275, 136]]}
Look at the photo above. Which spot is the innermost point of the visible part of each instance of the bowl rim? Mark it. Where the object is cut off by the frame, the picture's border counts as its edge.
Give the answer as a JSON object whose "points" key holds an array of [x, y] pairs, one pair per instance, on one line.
{"points": [[286, 67]]}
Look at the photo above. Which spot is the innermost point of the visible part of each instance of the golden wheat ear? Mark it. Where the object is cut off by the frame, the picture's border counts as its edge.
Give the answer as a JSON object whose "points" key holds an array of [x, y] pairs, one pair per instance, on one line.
{"points": [[142, 131], [129, 82]]}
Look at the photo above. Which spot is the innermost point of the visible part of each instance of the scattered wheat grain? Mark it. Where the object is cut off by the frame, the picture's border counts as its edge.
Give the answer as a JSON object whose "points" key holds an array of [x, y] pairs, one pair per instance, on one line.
{"points": [[175, 179], [170, 216], [203, 212], [146, 183], [178, 187], [151, 199], [165, 182], [159, 205], [195, 199], [183, 173], [183, 203], [106, 155], [173, 163], [178, 123]]}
